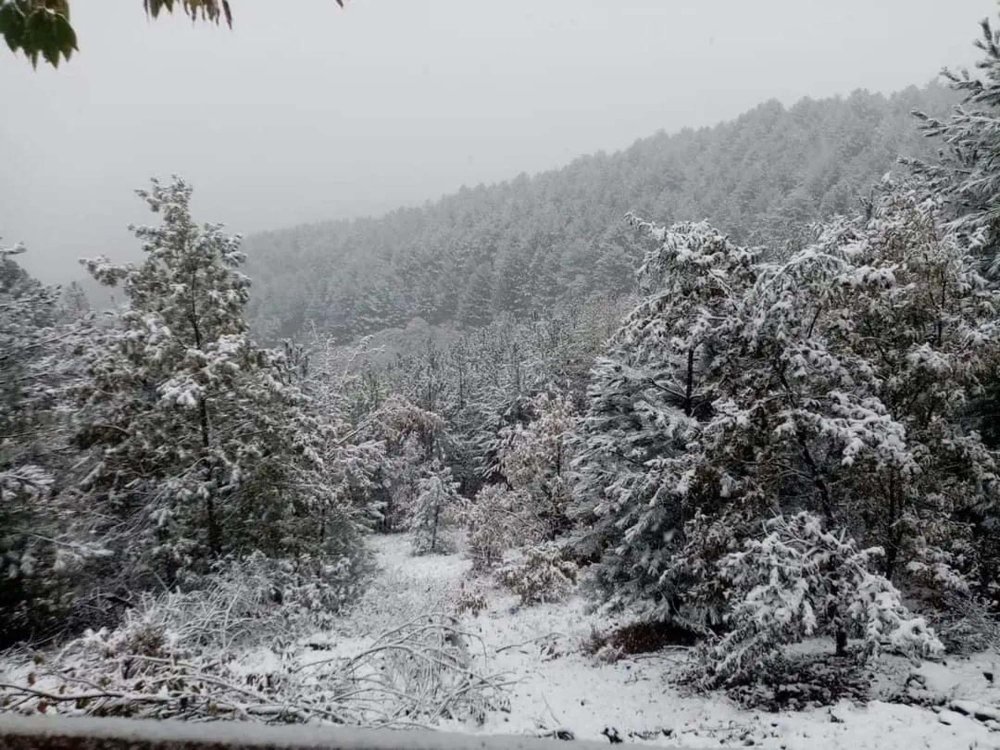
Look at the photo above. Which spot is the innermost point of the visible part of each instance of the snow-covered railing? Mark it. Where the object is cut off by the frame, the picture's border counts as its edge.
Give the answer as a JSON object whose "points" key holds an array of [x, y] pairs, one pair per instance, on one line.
{"points": [[52, 733]]}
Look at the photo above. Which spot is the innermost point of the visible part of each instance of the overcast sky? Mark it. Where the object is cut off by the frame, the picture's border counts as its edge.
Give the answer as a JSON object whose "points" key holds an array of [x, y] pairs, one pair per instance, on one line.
{"points": [[306, 112]]}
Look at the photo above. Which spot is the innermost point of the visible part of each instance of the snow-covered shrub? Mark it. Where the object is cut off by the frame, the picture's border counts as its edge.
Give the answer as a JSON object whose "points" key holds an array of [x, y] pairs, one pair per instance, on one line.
{"points": [[420, 672], [966, 625], [799, 681], [310, 591], [499, 519], [800, 581], [436, 507], [409, 434], [245, 603], [440, 676], [536, 457], [636, 638], [543, 575], [471, 598]]}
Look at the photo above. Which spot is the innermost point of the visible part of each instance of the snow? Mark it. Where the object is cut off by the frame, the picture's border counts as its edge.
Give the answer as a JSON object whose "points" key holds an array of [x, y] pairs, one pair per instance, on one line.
{"points": [[558, 686], [554, 684]]}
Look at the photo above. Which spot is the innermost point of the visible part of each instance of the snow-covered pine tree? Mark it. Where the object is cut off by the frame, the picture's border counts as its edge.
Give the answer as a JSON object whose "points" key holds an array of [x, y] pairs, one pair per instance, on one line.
{"points": [[967, 173], [202, 443], [802, 580], [435, 509], [836, 382], [329, 377], [44, 534], [641, 473], [500, 519], [73, 303], [410, 436], [535, 459], [862, 353]]}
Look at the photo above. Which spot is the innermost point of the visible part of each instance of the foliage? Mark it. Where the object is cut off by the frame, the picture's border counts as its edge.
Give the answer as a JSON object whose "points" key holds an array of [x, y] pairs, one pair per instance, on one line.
{"points": [[499, 519], [202, 443], [965, 174], [799, 581], [642, 472], [532, 246], [410, 436], [159, 665], [437, 506], [46, 532], [543, 575], [837, 382], [43, 28], [38, 28], [535, 459]]}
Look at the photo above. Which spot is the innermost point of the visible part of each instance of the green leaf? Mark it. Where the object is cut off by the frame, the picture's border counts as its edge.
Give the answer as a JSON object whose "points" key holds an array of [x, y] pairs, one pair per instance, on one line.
{"points": [[49, 34], [12, 26], [38, 36], [65, 35]]}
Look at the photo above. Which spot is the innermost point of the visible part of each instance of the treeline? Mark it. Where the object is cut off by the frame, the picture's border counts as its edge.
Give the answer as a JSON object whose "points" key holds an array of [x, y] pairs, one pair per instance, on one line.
{"points": [[527, 245]]}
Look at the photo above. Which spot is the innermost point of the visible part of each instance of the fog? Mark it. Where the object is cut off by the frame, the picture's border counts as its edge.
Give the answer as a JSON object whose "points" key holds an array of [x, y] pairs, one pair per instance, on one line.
{"points": [[306, 112]]}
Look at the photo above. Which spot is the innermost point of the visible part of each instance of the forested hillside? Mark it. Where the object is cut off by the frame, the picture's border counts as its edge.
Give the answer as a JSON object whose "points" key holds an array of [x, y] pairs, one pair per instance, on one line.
{"points": [[731, 481], [526, 245]]}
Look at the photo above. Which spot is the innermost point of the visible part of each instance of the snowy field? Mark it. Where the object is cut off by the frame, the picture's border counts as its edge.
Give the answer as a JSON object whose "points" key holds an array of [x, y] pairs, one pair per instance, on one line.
{"points": [[554, 687], [558, 686]]}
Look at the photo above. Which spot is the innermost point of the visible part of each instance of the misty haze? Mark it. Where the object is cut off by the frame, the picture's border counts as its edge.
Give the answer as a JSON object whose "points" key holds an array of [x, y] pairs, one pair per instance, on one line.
{"points": [[620, 371]]}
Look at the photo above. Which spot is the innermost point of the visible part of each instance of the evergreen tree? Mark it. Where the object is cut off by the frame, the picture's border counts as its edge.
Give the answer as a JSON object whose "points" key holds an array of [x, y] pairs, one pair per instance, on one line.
{"points": [[836, 382], [203, 443], [801, 581], [535, 459], [434, 509], [45, 533], [648, 400], [863, 351], [967, 172]]}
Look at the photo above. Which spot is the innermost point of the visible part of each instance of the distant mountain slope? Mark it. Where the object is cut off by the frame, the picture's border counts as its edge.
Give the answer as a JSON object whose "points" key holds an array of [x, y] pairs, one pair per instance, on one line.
{"points": [[525, 245]]}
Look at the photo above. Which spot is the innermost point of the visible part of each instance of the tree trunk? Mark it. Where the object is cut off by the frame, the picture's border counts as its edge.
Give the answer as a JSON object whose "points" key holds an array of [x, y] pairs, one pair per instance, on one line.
{"points": [[841, 637], [434, 528], [689, 387]]}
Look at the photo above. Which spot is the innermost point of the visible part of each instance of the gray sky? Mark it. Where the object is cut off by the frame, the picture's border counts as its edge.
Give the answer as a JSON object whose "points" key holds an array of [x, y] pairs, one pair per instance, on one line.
{"points": [[305, 112]]}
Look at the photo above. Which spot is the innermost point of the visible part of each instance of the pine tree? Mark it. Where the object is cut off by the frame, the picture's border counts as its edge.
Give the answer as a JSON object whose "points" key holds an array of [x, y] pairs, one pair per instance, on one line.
{"points": [[435, 509], [800, 580], [967, 172], [967, 175], [863, 351], [836, 382], [535, 459], [639, 461], [44, 528], [203, 443], [499, 520], [410, 438]]}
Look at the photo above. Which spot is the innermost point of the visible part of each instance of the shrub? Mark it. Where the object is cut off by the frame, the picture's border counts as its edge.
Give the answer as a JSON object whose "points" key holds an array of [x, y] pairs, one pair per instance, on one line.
{"points": [[499, 519], [436, 507], [798, 581], [542, 576]]}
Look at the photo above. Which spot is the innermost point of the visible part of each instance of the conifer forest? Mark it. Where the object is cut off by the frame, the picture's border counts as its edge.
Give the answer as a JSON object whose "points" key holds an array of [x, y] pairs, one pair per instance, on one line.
{"points": [[691, 443]]}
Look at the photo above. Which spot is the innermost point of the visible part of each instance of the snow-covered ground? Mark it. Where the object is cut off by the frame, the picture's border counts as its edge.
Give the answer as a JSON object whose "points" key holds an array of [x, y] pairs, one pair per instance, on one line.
{"points": [[553, 684], [558, 686]]}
